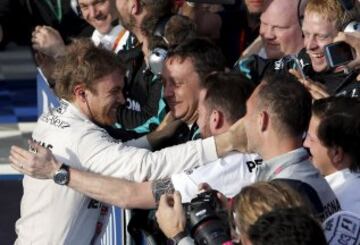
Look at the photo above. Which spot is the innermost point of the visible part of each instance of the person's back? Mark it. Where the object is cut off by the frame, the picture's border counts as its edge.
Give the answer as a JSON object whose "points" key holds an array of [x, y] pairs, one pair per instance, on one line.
{"points": [[278, 114]]}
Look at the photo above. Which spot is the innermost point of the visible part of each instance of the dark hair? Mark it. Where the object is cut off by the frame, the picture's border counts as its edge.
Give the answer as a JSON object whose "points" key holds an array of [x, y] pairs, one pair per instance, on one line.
{"points": [[289, 102], [155, 10], [340, 125], [288, 226], [228, 92], [176, 30], [83, 63], [205, 55]]}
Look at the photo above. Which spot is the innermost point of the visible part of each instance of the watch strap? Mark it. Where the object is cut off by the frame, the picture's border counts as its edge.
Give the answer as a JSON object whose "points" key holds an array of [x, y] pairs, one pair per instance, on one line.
{"points": [[179, 236]]}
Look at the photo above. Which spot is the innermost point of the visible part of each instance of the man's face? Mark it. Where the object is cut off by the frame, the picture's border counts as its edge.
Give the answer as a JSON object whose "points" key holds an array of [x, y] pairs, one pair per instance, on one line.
{"points": [[318, 32], [280, 30], [250, 122], [320, 154], [124, 10], [181, 87], [255, 6], [203, 120], [108, 97], [98, 13]]}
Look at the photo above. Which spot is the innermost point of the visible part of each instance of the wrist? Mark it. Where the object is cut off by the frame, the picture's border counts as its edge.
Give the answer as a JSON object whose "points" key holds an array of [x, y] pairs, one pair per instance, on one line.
{"points": [[178, 237], [224, 143]]}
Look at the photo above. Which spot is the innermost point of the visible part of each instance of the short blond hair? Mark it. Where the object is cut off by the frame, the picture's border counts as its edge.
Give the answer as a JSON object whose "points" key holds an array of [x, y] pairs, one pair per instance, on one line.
{"points": [[331, 11], [261, 197], [83, 63]]}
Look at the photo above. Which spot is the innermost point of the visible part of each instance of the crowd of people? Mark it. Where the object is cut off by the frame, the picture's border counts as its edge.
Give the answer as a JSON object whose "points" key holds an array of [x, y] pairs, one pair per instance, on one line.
{"points": [[168, 99]]}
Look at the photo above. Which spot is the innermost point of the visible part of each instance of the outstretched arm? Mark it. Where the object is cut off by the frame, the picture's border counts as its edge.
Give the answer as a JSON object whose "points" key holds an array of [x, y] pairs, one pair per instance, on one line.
{"points": [[115, 191]]}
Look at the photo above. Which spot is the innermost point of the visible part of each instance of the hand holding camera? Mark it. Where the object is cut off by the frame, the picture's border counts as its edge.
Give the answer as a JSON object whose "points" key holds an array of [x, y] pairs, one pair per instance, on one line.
{"points": [[353, 39], [170, 215]]}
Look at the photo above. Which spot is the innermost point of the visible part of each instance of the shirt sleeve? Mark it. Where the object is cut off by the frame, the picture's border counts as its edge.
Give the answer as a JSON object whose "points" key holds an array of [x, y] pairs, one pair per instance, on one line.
{"points": [[100, 153], [227, 175]]}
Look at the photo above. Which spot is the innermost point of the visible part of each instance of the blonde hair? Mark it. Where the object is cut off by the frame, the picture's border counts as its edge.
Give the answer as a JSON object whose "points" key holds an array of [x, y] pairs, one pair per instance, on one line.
{"points": [[262, 197], [83, 64], [330, 10]]}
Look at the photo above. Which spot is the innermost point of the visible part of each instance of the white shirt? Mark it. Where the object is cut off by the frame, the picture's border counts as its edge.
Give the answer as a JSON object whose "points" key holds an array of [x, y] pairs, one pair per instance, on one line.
{"points": [[227, 175], [54, 214], [346, 186], [113, 41]]}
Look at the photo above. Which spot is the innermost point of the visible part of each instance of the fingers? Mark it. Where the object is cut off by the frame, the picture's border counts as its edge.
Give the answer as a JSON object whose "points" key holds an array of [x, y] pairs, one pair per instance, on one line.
{"points": [[295, 73], [177, 201]]}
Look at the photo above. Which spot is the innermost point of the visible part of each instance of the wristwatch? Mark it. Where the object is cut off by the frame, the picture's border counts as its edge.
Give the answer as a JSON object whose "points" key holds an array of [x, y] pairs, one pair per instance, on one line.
{"points": [[62, 175], [176, 239]]}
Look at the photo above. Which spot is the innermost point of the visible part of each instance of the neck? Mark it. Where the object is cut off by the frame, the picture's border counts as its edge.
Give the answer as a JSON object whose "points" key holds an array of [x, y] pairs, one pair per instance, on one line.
{"points": [[275, 146]]}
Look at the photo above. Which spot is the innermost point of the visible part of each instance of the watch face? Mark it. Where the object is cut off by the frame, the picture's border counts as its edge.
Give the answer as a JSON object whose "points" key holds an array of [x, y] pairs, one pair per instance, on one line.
{"points": [[61, 177]]}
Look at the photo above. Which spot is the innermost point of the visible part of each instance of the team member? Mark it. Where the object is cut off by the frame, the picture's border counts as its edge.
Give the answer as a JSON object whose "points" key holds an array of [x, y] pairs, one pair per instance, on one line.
{"points": [[90, 82], [333, 140]]}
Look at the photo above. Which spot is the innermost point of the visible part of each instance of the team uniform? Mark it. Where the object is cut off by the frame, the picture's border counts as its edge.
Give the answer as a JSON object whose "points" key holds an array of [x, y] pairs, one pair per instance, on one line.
{"points": [[345, 184], [295, 165], [53, 214], [227, 175]]}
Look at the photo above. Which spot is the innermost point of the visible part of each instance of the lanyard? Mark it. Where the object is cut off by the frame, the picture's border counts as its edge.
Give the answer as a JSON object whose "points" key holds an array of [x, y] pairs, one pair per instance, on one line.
{"points": [[57, 10], [117, 40], [279, 169]]}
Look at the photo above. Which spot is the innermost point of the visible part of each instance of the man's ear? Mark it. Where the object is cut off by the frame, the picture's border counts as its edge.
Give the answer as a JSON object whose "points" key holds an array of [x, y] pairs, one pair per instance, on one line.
{"points": [[79, 92], [216, 119], [135, 7], [263, 121], [336, 155]]}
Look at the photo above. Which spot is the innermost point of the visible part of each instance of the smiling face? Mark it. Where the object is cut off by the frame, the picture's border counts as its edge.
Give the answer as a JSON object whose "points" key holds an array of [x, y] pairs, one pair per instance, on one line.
{"points": [[320, 154], [99, 13], [318, 32], [181, 87], [103, 103], [280, 30]]}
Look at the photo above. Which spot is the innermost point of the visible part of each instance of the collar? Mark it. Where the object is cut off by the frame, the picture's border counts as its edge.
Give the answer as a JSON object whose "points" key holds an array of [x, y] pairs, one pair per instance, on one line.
{"points": [[272, 167], [339, 177], [67, 107], [107, 40]]}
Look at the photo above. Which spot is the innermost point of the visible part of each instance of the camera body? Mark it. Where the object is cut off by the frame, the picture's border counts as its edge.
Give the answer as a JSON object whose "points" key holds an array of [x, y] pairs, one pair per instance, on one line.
{"points": [[338, 53], [207, 220]]}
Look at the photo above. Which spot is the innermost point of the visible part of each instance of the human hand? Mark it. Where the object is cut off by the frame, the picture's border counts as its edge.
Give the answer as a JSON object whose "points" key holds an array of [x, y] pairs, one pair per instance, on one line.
{"points": [[166, 121], [47, 40], [170, 214], [233, 139], [316, 89], [204, 187], [37, 162]]}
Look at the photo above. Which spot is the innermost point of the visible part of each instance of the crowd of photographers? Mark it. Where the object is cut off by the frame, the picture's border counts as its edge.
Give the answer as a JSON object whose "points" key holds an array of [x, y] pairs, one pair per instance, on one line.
{"points": [[215, 123]]}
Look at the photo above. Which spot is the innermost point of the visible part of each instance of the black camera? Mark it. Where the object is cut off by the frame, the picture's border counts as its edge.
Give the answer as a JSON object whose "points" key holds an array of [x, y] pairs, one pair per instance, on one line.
{"points": [[207, 220]]}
